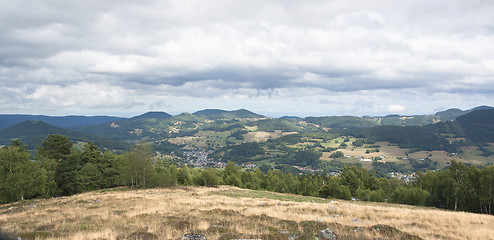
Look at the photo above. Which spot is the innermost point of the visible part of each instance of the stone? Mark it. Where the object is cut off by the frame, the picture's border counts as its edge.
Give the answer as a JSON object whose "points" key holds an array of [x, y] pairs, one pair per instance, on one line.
{"points": [[193, 237], [357, 229], [336, 216], [319, 221], [326, 234], [356, 220]]}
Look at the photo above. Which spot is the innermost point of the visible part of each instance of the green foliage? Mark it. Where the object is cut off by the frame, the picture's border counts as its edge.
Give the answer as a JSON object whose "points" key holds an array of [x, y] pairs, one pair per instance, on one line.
{"points": [[184, 176], [410, 195], [207, 177], [231, 175], [406, 137], [358, 143], [59, 169], [243, 152], [336, 166], [89, 178], [136, 169], [166, 147], [336, 190], [337, 154], [270, 125], [19, 176], [377, 195], [417, 120], [56, 147], [478, 125], [239, 134], [30, 133], [342, 122], [301, 158]]}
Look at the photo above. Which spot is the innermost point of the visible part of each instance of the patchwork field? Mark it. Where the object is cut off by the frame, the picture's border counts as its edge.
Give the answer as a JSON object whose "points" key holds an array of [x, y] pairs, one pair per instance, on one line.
{"points": [[230, 213]]}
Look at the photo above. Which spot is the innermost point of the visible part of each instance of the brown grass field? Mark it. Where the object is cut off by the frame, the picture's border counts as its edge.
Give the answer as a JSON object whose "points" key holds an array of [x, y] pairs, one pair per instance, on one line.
{"points": [[230, 213]]}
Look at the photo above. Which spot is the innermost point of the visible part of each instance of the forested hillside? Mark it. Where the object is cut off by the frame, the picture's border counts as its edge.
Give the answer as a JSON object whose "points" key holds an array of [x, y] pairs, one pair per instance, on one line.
{"points": [[32, 133]]}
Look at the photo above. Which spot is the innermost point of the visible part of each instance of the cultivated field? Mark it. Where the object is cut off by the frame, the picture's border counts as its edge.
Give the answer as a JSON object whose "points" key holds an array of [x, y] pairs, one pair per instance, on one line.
{"points": [[229, 213]]}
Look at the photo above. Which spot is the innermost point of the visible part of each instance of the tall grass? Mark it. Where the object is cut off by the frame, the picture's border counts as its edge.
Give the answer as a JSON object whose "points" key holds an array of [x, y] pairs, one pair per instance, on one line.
{"points": [[170, 213]]}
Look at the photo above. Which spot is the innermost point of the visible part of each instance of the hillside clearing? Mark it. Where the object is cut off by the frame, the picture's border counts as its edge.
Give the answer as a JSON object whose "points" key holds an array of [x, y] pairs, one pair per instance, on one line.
{"points": [[228, 212]]}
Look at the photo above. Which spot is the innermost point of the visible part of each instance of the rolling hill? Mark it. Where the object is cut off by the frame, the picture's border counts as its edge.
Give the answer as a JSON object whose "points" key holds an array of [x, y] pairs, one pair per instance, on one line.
{"points": [[478, 125], [162, 115], [31, 133], [341, 122], [219, 114], [7, 120]]}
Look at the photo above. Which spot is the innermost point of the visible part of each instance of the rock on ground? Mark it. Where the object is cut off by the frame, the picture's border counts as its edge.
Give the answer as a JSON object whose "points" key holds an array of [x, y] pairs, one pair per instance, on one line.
{"points": [[326, 234]]}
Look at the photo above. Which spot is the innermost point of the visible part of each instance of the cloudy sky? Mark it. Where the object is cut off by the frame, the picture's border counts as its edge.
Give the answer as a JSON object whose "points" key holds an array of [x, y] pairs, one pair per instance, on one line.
{"points": [[283, 57]]}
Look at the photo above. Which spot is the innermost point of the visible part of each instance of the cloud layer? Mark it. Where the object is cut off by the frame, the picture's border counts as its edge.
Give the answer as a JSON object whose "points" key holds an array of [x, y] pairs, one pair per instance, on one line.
{"points": [[273, 57]]}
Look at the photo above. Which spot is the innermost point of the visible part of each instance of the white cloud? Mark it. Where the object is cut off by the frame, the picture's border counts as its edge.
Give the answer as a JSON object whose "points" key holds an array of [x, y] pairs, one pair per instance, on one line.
{"points": [[396, 108]]}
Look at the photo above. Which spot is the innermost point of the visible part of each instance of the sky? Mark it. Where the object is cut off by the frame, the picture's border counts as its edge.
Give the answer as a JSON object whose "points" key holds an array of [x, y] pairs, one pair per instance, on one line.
{"points": [[276, 58]]}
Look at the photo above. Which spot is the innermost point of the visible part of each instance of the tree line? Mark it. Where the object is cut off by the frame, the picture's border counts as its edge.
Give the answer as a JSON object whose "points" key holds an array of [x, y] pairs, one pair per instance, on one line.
{"points": [[58, 168]]}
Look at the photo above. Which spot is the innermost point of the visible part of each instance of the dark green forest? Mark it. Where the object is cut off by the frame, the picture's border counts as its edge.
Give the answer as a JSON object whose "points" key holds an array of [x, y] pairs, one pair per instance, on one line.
{"points": [[58, 168]]}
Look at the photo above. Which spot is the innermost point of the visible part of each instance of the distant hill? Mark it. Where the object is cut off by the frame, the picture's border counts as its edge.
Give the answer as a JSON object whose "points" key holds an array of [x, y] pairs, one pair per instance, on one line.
{"points": [[478, 125], [218, 114], [453, 113], [290, 117], [7, 120], [270, 125], [153, 115], [31, 133], [341, 122], [450, 114], [415, 120]]}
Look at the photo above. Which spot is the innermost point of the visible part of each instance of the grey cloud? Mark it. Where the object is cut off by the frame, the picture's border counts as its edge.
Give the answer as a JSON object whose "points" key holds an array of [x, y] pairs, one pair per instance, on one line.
{"points": [[245, 48]]}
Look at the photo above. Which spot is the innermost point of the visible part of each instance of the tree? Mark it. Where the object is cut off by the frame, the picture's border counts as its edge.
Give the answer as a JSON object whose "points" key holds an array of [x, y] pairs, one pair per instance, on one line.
{"points": [[458, 172], [20, 177], [231, 175], [67, 174], [337, 154], [55, 146], [358, 143], [53, 155], [334, 189], [410, 195], [207, 177], [90, 178], [487, 189], [184, 176], [377, 196], [136, 167]]}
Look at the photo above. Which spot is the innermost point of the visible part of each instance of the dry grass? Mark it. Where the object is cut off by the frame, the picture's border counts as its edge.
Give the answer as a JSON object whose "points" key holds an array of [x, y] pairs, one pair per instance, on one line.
{"points": [[217, 212]]}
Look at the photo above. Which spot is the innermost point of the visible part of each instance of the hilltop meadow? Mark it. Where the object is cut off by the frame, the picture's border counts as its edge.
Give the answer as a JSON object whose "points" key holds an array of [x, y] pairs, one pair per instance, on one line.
{"points": [[227, 212]]}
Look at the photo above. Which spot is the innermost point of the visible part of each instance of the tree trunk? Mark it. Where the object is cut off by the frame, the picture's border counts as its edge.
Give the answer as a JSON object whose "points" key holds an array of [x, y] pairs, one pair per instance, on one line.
{"points": [[456, 203], [22, 200]]}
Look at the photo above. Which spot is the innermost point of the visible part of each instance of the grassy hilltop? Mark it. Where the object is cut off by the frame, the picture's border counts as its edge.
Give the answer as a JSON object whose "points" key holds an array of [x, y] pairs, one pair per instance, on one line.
{"points": [[229, 213]]}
